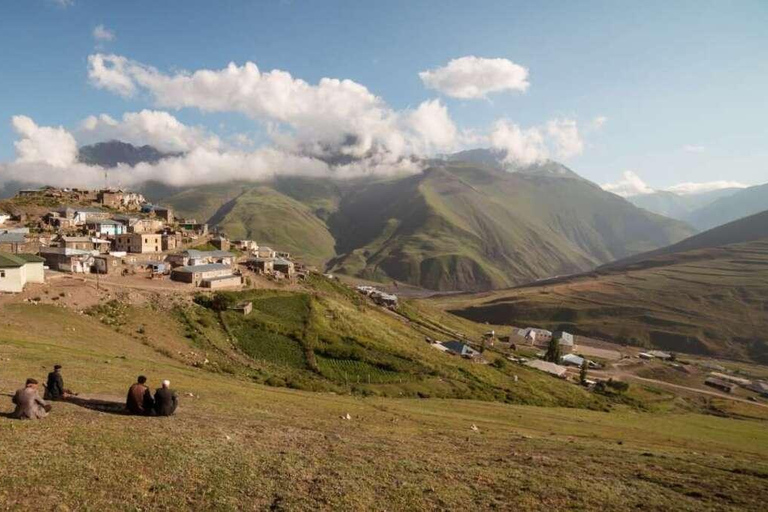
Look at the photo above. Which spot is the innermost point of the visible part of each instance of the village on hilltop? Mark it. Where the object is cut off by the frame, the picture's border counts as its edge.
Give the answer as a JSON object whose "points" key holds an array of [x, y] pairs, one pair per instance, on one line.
{"points": [[118, 233]]}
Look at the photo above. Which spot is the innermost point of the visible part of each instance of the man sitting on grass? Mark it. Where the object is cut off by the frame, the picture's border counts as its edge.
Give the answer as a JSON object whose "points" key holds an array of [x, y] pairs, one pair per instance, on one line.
{"points": [[139, 399], [166, 400], [29, 405], [54, 389]]}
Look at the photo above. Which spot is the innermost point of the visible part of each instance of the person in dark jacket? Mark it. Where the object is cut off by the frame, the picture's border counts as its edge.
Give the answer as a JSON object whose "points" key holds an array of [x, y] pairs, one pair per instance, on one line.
{"points": [[166, 400], [139, 399], [54, 388]]}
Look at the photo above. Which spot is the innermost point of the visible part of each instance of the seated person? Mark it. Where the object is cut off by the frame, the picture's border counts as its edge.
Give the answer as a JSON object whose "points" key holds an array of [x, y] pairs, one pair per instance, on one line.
{"points": [[29, 405], [54, 388], [166, 400], [139, 399]]}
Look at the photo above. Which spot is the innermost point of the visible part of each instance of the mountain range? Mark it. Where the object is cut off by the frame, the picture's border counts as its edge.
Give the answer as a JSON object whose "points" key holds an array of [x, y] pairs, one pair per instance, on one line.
{"points": [[469, 221], [459, 225], [706, 210]]}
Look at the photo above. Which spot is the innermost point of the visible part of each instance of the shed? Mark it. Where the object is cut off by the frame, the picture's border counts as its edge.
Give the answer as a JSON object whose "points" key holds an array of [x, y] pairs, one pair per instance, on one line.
{"points": [[460, 349], [546, 366]]}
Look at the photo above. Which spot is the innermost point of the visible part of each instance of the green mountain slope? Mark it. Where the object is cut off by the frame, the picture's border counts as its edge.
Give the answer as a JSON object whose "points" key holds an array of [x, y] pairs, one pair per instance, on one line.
{"points": [[456, 226], [462, 226], [707, 295], [265, 215]]}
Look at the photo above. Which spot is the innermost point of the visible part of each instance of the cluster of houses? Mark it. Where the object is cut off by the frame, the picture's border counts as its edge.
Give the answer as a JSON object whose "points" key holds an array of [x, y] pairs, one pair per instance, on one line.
{"points": [[379, 297], [121, 232], [542, 337]]}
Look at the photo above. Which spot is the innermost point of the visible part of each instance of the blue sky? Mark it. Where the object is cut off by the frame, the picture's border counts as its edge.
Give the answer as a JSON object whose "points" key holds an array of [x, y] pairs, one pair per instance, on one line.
{"points": [[682, 85]]}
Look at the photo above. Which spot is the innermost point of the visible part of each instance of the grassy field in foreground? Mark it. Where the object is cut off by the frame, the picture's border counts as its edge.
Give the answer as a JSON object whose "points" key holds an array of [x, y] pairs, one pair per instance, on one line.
{"points": [[235, 445]]}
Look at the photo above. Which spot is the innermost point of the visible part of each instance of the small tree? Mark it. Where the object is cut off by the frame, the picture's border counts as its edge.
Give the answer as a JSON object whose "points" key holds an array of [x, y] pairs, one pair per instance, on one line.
{"points": [[583, 373], [553, 351]]}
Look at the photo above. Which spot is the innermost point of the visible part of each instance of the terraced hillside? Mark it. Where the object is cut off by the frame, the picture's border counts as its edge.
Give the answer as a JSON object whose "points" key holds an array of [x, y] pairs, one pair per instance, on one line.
{"points": [[705, 296]]}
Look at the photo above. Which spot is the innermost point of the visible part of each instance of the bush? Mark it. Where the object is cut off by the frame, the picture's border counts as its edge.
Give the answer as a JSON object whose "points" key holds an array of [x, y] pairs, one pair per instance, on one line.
{"points": [[618, 385], [500, 363]]}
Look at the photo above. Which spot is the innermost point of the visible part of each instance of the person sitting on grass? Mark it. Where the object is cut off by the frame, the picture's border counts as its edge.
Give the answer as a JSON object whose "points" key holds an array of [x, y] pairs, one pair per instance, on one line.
{"points": [[54, 388], [166, 400], [29, 405], [139, 399]]}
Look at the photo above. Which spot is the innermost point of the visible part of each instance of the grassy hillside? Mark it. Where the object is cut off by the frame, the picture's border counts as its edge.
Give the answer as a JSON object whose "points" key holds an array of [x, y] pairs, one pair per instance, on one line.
{"points": [[329, 338], [707, 301], [234, 444], [274, 219]]}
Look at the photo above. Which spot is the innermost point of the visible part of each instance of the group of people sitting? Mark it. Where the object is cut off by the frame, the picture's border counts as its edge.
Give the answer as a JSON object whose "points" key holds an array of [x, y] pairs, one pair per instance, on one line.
{"points": [[140, 401]]}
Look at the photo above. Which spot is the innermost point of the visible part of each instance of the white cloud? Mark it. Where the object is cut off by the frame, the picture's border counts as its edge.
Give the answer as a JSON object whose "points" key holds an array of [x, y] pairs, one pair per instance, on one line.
{"points": [[335, 119], [156, 128], [102, 34], [690, 188], [525, 146], [692, 148], [48, 155], [434, 127], [43, 144], [566, 138], [522, 146], [111, 72], [630, 185], [64, 3], [475, 77], [598, 122]]}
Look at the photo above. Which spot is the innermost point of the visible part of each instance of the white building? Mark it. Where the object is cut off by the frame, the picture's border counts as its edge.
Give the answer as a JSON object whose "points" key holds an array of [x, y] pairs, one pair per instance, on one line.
{"points": [[16, 270]]}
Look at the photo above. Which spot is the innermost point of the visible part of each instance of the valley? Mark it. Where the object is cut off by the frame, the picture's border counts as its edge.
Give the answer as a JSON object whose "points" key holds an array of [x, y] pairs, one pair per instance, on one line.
{"points": [[705, 295]]}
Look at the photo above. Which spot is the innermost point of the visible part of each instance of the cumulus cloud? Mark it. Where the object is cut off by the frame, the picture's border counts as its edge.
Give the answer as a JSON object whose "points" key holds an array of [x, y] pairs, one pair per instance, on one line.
{"points": [[565, 137], [48, 156], [112, 73], [525, 146], [522, 146], [156, 128], [629, 185], [102, 34], [690, 188], [53, 146], [331, 128], [338, 120], [475, 77], [433, 127]]}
